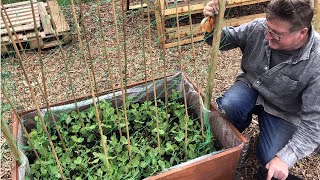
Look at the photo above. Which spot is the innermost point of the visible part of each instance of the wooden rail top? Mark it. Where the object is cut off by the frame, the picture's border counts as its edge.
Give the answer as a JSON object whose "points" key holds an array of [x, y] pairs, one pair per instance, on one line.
{"points": [[198, 5]]}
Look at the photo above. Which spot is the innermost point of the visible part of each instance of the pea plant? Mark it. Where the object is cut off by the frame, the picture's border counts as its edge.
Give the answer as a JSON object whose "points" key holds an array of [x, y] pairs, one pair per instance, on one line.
{"points": [[84, 159]]}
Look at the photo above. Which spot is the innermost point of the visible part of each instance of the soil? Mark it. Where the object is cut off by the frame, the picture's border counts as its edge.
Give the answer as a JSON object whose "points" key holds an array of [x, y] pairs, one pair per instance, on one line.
{"points": [[59, 88]]}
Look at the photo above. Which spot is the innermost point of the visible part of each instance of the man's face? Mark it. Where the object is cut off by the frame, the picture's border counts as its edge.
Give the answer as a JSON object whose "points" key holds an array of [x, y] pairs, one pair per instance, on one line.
{"points": [[280, 37]]}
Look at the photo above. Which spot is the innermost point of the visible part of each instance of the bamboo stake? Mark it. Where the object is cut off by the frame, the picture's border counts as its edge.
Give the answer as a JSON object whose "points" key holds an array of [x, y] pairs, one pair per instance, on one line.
{"points": [[121, 77], [196, 70], [20, 121], [214, 53], [152, 70], [163, 52], [143, 51], [108, 66], [63, 55], [124, 43], [33, 94], [182, 83], [103, 138], [11, 141], [45, 95], [88, 47]]}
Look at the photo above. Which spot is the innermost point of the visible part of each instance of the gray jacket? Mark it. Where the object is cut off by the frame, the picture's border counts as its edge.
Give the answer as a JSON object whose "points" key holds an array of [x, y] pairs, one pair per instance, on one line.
{"points": [[289, 90]]}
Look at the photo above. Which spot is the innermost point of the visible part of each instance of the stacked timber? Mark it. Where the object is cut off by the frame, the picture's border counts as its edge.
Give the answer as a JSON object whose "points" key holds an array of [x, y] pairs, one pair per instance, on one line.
{"points": [[19, 19]]}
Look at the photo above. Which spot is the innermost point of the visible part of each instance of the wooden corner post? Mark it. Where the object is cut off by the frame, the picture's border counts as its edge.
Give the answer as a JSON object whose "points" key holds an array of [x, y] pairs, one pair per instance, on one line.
{"points": [[159, 9]]}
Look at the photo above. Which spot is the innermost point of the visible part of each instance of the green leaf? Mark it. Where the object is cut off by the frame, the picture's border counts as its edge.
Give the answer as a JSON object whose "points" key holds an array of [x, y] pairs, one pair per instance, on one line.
{"points": [[180, 136], [135, 106], [74, 114], [91, 113], [123, 140], [91, 138], [74, 138], [68, 120], [83, 115], [78, 160], [75, 128], [54, 137], [136, 161], [95, 161], [162, 164], [100, 156]]}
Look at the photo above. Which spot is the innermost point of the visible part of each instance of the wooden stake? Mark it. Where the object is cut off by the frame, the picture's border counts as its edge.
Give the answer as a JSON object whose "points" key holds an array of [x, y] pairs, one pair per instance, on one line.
{"points": [[33, 95], [103, 138], [121, 77]]}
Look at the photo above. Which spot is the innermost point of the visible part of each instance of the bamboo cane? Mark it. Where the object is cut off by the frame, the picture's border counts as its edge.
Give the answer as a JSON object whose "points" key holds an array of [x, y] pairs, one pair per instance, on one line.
{"points": [[11, 141], [144, 57], [45, 95], [20, 121], [33, 95], [143, 51], [196, 71], [108, 66], [182, 83], [121, 77], [88, 46], [124, 43], [103, 138], [214, 54], [160, 9]]}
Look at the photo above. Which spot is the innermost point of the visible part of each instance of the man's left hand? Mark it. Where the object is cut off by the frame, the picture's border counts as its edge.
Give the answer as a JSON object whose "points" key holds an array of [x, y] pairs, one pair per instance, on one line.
{"points": [[277, 169]]}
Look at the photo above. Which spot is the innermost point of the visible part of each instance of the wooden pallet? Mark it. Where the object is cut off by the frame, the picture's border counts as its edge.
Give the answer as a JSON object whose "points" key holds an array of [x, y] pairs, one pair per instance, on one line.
{"points": [[167, 10], [20, 15]]}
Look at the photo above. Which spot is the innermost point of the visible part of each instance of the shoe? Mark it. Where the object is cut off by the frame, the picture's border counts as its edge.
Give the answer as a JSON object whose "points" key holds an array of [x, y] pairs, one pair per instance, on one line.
{"points": [[263, 172]]}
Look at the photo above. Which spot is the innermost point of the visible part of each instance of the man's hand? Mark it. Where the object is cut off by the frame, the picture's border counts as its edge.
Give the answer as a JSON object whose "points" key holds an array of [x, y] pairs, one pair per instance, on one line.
{"points": [[277, 169], [211, 8]]}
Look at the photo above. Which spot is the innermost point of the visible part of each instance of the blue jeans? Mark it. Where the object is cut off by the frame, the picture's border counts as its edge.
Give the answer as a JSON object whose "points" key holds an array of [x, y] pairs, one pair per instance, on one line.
{"points": [[239, 103]]}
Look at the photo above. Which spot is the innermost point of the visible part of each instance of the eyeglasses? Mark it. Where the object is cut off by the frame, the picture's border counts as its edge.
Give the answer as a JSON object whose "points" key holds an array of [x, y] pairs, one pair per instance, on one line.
{"points": [[272, 34]]}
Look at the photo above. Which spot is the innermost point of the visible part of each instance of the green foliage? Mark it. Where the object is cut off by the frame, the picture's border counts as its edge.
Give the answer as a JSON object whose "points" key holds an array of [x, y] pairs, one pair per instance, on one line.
{"points": [[84, 158]]}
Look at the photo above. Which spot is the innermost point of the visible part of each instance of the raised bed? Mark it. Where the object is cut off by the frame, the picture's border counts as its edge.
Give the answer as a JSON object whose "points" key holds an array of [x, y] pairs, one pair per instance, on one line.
{"points": [[222, 164]]}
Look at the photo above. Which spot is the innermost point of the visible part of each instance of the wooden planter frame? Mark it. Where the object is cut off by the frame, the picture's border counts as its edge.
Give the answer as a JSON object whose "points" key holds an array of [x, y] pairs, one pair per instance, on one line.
{"points": [[218, 165]]}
